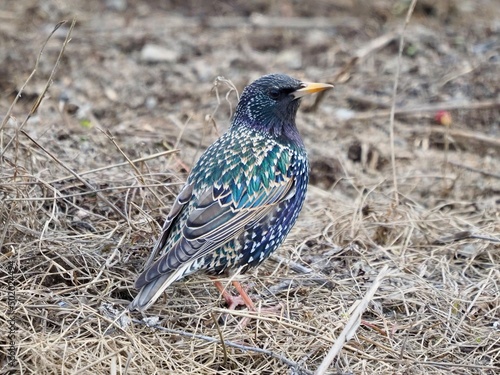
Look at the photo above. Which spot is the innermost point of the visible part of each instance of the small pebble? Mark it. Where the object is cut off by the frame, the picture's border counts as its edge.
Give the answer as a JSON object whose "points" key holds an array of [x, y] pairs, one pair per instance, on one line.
{"points": [[156, 53]]}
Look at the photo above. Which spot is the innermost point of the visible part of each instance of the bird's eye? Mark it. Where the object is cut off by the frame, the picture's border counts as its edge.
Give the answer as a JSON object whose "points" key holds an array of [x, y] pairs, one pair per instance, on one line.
{"points": [[274, 93]]}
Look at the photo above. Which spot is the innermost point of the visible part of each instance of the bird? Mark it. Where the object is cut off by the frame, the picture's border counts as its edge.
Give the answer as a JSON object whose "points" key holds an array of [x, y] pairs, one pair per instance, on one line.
{"points": [[241, 198]]}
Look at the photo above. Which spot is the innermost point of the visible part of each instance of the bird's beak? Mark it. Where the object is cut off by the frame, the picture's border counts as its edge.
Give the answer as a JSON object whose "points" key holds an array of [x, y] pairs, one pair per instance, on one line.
{"points": [[310, 88]]}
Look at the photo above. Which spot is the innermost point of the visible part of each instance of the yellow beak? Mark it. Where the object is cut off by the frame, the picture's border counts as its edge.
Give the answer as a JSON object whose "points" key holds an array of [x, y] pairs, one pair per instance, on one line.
{"points": [[310, 88]]}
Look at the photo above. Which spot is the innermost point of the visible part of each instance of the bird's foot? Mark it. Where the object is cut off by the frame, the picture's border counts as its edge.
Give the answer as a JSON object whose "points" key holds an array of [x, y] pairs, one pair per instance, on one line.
{"points": [[243, 299], [233, 302]]}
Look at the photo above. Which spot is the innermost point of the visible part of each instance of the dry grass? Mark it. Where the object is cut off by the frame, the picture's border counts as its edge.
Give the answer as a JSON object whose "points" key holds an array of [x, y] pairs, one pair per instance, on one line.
{"points": [[77, 230]]}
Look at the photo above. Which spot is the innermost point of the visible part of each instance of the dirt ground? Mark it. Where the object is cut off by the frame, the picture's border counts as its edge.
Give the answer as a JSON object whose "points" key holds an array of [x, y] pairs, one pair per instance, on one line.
{"points": [[143, 87]]}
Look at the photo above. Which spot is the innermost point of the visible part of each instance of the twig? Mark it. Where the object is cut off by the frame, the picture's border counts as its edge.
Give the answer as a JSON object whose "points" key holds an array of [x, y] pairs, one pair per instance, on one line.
{"points": [[44, 91], [257, 20], [393, 104], [319, 279], [263, 21], [145, 158], [368, 115], [182, 127], [471, 169], [221, 337], [3, 234], [81, 194], [49, 82], [485, 139], [138, 174], [59, 196], [464, 235], [92, 365], [231, 344], [220, 81], [353, 323], [294, 266], [375, 44], [465, 315], [450, 364], [344, 73], [278, 320], [83, 181]]}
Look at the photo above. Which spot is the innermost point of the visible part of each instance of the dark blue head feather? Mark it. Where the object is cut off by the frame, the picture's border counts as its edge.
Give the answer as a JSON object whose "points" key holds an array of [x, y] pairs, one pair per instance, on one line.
{"points": [[269, 106]]}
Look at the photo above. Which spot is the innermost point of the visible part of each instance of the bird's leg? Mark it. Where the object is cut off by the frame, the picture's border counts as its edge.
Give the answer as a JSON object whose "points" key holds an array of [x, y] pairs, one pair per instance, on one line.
{"points": [[235, 301], [243, 299], [243, 295]]}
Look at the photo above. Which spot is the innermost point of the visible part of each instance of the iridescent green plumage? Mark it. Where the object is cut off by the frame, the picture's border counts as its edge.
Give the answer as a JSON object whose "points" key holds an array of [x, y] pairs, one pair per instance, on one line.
{"points": [[242, 197]]}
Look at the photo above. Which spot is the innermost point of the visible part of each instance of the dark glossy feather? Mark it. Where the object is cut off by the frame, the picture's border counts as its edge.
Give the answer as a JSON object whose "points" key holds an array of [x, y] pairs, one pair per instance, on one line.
{"points": [[242, 197]]}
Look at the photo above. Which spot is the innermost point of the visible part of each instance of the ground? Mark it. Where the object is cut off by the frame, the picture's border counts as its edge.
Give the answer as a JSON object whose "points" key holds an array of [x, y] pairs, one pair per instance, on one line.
{"points": [[142, 88]]}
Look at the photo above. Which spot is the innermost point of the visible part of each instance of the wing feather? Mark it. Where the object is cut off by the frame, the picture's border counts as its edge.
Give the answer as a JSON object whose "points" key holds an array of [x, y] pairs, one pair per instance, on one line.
{"points": [[180, 202], [203, 222], [212, 224]]}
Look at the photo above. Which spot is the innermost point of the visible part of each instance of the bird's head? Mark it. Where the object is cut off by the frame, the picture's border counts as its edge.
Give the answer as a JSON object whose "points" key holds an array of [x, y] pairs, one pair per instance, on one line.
{"points": [[270, 104]]}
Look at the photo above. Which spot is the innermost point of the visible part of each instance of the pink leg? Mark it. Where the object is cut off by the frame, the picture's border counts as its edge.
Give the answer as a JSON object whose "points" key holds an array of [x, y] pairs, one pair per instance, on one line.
{"points": [[242, 300], [234, 301], [244, 296]]}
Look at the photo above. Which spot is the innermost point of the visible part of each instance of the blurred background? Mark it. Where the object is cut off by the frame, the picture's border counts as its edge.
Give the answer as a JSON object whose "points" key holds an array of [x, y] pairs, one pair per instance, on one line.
{"points": [[145, 68]]}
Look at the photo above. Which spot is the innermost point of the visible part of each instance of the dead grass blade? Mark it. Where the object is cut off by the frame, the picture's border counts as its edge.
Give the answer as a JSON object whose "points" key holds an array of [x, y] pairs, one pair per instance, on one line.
{"points": [[77, 176], [393, 103], [353, 323]]}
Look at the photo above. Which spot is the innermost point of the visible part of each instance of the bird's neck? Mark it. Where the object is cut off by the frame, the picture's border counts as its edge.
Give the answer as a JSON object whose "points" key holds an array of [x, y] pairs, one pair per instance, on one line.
{"points": [[283, 132]]}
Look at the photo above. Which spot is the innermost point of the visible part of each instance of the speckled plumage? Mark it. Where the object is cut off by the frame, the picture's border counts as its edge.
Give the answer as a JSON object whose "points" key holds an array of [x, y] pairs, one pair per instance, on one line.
{"points": [[241, 198]]}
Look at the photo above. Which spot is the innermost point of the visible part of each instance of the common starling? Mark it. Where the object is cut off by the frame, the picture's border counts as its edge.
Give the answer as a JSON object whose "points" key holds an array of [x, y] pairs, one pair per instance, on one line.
{"points": [[241, 198]]}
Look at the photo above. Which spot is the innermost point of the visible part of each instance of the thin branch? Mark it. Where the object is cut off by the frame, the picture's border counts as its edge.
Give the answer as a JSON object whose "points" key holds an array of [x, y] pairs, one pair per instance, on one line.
{"points": [[83, 181], [145, 158], [465, 235], [221, 336], [393, 105], [344, 73], [353, 323], [418, 110], [227, 343], [37, 102], [318, 278], [468, 135], [3, 234], [81, 194], [9, 111], [138, 174]]}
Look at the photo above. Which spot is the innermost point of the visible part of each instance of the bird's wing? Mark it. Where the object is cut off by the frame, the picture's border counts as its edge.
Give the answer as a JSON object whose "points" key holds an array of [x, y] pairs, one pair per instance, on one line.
{"points": [[220, 214], [180, 202]]}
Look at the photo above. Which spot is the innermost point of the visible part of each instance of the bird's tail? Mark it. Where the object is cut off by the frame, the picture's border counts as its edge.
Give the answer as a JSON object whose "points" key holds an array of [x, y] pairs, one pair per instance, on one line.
{"points": [[150, 292]]}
